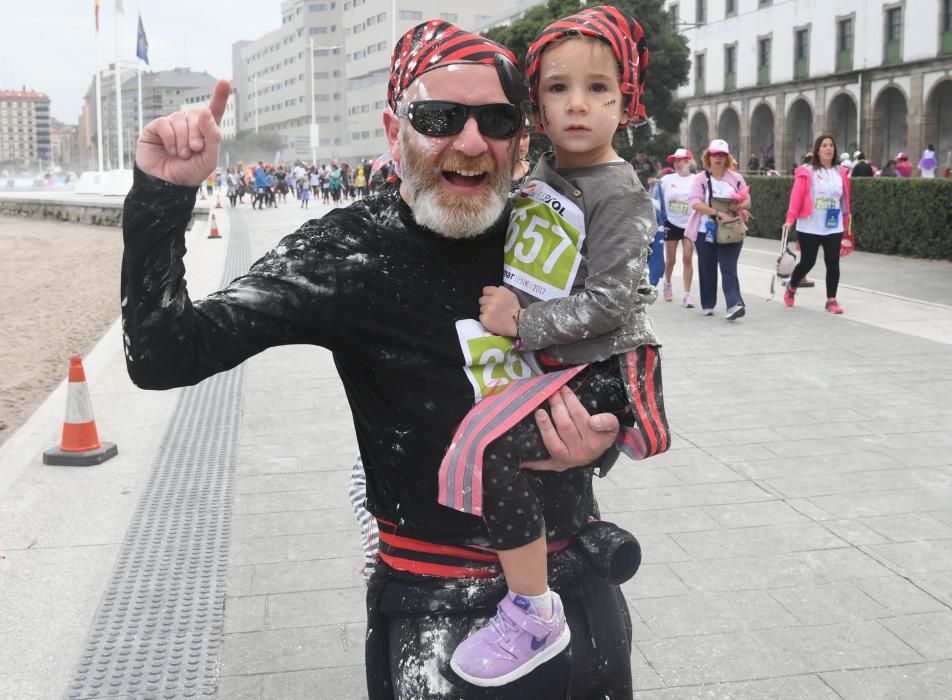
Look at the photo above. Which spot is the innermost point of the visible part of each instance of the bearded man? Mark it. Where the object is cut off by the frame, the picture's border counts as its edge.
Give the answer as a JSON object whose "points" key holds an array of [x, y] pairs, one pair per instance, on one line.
{"points": [[391, 286]]}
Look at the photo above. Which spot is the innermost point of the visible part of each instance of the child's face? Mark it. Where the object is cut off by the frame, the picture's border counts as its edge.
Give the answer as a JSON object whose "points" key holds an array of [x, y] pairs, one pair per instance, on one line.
{"points": [[580, 102]]}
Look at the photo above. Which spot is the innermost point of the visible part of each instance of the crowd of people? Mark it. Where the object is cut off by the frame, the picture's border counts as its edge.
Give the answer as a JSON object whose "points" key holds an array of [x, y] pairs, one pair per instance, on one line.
{"points": [[269, 184]]}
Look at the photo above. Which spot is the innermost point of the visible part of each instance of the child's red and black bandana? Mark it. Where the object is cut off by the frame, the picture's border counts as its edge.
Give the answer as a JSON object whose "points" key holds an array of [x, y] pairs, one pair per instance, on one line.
{"points": [[620, 31], [437, 43]]}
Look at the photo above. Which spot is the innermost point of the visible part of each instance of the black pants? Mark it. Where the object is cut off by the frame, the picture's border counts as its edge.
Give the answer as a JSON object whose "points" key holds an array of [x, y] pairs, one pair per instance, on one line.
{"points": [[414, 623], [511, 509], [810, 244]]}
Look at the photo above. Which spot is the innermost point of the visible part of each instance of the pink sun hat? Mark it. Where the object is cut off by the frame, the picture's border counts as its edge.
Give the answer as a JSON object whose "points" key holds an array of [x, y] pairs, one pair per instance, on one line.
{"points": [[680, 154], [718, 146]]}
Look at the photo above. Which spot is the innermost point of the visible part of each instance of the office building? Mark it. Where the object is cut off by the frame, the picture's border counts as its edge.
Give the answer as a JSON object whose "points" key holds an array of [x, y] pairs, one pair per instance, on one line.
{"points": [[25, 129], [769, 76]]}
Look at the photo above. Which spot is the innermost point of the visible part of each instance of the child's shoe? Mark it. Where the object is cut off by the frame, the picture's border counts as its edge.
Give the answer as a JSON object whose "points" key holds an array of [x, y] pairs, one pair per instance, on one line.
{"points": [[511, 645]]}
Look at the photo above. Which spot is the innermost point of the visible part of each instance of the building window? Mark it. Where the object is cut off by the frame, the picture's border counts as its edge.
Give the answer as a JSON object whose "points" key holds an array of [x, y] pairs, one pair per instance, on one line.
{"points": [[700, 11], [893, 34], [674, 15], [801, 53], [844, 43], [763, 60], [699, 74], [730, 67], [945, 26], [730, 8], [411, 14], [449, 16]]}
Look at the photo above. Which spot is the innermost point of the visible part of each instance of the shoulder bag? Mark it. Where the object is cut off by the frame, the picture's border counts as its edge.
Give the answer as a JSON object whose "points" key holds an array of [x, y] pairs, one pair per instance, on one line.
{"points": [[732, 230]]}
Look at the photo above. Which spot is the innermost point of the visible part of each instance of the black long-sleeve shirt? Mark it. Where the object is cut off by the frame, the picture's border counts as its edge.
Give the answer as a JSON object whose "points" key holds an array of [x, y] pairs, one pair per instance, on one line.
{"points": [[382, 293]]}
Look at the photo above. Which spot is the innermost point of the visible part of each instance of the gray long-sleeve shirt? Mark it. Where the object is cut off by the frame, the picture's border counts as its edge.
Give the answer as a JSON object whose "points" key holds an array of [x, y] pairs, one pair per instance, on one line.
{"points": [[604, 313]]}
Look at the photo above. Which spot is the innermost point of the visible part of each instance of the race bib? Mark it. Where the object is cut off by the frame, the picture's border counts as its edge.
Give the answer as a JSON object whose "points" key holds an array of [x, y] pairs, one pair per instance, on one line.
{"points": [[544, 242], [824, 203], [678, 206], [491, 361]]}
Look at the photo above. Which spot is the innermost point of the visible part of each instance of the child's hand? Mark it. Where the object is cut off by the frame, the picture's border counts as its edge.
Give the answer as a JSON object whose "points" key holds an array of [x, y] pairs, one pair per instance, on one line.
{"points": [[499, 311]]}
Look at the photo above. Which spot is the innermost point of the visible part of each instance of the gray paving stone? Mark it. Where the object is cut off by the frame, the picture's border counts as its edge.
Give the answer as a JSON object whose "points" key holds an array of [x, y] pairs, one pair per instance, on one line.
{"points": [[789, 688], [922, 456], [752, 541], [927, 681], [914, 557], [731, 454], [769, 653], [754, 514], [910, 527], [644, 522], [705, 473], [847, 564], [900, 596], [930, 634], [681, 496], [294, 649], [746, 573], [642, 675], [252, 503], [870, 504], [296, 576], [245, 614], [240, 580], [346, 683], [631, 477], [711, 613], [817, 464], [856, 532], [296, 522], [326, 481], [240, 687], [661, 549], [654, 581], [312, 608], [829, 603], [820, 430]]}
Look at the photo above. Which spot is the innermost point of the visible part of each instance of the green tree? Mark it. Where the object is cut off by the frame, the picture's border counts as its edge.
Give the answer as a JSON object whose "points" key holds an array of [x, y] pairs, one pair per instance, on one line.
{"points": [[668, 67]]}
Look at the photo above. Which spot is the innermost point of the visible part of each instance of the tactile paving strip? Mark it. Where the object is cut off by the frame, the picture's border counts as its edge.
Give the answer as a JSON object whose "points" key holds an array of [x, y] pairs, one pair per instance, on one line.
{"points": [[158, 629]]}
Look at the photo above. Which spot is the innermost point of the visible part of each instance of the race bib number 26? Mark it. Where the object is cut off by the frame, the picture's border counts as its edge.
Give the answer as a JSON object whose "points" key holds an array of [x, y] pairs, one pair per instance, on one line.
{"points": [[492, 361], [543, 244]]}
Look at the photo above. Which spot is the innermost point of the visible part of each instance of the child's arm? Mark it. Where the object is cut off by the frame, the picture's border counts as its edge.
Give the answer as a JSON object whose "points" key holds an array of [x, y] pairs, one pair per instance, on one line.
{"points": [[620, 231]]}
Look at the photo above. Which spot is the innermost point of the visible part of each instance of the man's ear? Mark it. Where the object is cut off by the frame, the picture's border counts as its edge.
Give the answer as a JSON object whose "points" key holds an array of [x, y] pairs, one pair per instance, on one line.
{"points": [[391, 124]]}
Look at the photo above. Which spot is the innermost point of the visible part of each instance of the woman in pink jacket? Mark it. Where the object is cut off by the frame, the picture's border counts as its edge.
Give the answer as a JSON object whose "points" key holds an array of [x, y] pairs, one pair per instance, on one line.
{"points": [[820, 204], [719, 175]]}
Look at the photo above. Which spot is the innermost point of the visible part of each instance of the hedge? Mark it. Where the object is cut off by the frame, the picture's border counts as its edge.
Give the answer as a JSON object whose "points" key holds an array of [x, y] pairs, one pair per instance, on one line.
{"points": [[895, 216]]}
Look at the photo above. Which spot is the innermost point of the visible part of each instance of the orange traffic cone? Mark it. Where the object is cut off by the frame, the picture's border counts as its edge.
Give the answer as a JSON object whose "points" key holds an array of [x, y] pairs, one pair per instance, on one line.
{"points": [[80, 446], [218, 201], [214, 232]]}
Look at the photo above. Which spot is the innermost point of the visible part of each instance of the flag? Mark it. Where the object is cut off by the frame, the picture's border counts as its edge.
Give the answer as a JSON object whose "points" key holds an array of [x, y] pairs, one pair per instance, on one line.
{"points": [[142, 44], [97, 15]]}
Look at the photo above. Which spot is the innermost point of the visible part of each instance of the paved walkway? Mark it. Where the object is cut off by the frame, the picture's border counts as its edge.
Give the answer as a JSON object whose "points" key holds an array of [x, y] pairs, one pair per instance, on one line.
{"points": [[797, 537]]}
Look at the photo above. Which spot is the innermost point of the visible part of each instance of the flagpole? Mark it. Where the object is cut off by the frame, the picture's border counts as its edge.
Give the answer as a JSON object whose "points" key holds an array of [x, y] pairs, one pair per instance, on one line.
{"points": [[139, 81], [98, 105], [119, 90]]}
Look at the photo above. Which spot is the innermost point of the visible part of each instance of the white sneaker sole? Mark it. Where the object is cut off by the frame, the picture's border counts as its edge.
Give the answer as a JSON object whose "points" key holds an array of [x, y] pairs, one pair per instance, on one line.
{"points": [[556, 648]]}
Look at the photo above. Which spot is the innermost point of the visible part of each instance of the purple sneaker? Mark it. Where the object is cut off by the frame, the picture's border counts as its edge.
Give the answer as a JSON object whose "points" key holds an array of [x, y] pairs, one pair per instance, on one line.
{"points": [[512, 644]]}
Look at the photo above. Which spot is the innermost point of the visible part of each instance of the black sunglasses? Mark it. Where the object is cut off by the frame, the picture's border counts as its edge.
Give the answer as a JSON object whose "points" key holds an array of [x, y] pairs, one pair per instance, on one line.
{"points": [[438, 118]]}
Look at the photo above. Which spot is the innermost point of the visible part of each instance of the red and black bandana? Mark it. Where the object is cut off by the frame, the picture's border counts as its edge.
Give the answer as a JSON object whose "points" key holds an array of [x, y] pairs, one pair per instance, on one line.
{"points": [[437, 43], [622, 33]]}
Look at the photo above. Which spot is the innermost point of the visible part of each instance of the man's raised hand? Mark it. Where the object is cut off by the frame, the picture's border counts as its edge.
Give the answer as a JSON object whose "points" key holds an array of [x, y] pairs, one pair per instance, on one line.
{"points": [[183, 147]]}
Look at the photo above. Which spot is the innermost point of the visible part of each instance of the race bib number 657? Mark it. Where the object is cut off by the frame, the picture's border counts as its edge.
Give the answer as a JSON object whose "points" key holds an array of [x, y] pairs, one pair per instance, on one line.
{"points": [[543, 244]]}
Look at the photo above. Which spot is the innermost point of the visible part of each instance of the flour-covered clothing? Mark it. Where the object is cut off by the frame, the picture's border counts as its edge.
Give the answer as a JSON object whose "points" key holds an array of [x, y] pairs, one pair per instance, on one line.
{"points": [[576, 256]]}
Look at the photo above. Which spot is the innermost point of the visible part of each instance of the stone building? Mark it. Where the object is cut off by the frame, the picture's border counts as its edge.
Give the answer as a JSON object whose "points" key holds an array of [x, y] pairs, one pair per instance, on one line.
{"points": [[25, 129], [769, 76], [277, 77]]}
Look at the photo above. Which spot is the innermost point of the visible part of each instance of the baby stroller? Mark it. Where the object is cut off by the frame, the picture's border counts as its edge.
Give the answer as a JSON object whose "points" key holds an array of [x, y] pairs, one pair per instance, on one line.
{"points": [[784, 265]]}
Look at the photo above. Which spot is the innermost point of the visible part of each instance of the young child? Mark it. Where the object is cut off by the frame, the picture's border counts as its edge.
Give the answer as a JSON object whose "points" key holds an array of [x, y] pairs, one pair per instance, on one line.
{"points": [[304, 193], [575, 259]]}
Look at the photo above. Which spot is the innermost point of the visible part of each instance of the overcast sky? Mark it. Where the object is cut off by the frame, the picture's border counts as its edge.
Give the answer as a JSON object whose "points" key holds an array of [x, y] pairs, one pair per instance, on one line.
{"points": [[50, 45]]}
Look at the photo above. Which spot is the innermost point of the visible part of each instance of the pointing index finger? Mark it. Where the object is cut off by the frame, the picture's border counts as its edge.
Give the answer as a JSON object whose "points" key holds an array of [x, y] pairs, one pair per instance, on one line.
{"points": [[220, 100]]}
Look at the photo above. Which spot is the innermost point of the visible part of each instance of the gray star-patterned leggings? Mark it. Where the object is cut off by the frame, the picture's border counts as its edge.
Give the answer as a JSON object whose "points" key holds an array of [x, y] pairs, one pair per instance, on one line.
{"points": [[511, 509]]}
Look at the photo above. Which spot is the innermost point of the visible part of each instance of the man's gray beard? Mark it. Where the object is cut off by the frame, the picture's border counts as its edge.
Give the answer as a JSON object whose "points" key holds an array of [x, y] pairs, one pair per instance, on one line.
{"points": [[453, 216]]}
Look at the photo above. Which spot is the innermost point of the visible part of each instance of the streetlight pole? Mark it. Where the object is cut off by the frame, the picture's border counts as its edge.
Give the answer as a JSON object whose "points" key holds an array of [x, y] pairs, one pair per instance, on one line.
{"points": [[314, 130]]}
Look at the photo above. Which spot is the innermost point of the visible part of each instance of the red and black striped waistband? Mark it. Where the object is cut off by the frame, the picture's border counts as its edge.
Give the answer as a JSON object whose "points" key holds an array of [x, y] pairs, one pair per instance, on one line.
{"points": [[434, 559]]}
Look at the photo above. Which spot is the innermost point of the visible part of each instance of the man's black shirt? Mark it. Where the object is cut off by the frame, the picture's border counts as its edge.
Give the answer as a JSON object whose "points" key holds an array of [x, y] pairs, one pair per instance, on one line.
{"points": [[382, 293]]}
